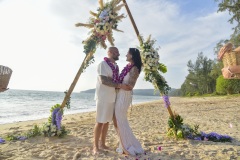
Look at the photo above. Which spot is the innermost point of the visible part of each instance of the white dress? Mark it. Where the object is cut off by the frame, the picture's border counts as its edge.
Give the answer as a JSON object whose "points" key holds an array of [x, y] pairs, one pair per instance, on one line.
{"points": [[127, 140]]}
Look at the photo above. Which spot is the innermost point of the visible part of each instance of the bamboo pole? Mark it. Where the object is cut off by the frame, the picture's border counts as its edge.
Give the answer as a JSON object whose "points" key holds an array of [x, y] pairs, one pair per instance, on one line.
{"points": [[140, 40], [69, 92], [170, 111], [133, 22]]}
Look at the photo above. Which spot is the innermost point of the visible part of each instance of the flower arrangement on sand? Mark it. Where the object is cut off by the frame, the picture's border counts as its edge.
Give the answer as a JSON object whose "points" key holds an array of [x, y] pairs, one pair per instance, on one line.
{"points": [[54, 125], [177, 129], [51, 128]]}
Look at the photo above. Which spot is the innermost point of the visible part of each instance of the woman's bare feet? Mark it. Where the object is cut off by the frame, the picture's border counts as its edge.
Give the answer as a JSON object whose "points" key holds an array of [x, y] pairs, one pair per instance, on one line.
{"points": [[95, 150]]}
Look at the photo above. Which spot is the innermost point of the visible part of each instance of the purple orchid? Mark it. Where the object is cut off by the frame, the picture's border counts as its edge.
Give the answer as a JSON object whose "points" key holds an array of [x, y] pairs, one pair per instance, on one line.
{"points": [[213, 136], [166, 101], [115, 70], [21, 138], [124, 72], [2, 140], [58, 119], [54, 115]]}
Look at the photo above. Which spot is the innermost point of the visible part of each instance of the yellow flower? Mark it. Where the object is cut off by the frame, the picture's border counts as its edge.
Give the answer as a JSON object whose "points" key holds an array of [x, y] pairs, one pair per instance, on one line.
{"points": [[101, 32], [104, 28], [111, 16]]}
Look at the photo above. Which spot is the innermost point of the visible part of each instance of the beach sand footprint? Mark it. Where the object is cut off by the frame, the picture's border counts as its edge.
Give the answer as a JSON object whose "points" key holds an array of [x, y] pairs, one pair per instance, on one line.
{"points": [[14, 128]]}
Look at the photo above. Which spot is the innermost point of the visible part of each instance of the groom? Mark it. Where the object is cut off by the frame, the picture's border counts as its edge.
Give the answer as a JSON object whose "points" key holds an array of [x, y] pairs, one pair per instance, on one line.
{"points": [[105, 96]]}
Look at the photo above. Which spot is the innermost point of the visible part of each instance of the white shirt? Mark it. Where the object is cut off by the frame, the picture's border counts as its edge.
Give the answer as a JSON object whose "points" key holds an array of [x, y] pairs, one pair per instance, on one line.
{"points": [[104, 92]]}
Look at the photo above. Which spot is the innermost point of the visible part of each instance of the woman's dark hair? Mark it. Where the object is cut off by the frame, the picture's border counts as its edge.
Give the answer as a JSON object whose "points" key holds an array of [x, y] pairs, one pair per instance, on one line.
{"points": [[136, 58]]}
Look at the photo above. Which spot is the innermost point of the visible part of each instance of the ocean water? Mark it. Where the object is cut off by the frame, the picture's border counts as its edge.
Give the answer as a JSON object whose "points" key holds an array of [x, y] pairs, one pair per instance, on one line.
{"points": [[24, 105]]}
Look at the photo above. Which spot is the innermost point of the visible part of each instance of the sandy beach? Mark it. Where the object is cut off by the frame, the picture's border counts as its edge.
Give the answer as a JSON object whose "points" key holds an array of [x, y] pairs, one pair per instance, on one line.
{"points": [[148, 122]]}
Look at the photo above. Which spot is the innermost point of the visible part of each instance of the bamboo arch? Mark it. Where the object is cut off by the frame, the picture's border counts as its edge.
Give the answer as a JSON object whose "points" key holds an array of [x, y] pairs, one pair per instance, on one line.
{"points": [[89, 56]]}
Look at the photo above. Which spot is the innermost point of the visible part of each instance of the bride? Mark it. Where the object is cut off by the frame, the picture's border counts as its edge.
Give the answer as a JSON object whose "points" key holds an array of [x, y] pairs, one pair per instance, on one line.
{"points": [[128, 143]]}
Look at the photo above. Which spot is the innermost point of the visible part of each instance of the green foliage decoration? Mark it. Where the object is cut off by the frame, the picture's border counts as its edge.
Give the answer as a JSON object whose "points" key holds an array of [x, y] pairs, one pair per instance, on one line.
{"points": [[179, 130], [51, 111], [35, 131], [11, 137]]}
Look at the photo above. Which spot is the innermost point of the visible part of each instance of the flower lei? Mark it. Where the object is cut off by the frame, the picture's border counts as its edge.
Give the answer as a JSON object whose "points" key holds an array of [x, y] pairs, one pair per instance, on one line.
{"points": [[124, 72], [116, 78], [115, 70]]}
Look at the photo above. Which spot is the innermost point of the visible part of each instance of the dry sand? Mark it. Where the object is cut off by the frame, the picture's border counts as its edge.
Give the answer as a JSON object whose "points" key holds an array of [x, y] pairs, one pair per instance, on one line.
{"points": [[148, 122]]}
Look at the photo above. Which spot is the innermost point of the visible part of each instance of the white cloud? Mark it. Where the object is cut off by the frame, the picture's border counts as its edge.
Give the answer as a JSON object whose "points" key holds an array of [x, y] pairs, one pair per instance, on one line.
{"points": [[43, 47]]}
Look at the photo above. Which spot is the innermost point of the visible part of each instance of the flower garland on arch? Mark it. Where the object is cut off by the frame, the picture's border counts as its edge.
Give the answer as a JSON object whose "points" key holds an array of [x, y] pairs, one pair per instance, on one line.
{"points": [[102, 23], [152, 67]]}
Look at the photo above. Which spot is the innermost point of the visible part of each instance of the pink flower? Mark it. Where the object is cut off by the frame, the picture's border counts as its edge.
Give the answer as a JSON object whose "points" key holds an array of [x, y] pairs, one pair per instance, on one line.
{"points": [[104, 38], [97, 21], [159, 148], [230, 125]]}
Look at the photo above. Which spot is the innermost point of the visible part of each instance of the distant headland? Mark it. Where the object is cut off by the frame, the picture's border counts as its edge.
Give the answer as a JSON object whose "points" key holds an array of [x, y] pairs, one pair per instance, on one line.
{"points": [[143, 92]]}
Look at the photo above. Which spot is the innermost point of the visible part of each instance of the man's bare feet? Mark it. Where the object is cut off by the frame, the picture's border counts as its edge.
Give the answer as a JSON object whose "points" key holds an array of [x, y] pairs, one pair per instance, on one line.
{"points": [[103, 147], [95, 150]]}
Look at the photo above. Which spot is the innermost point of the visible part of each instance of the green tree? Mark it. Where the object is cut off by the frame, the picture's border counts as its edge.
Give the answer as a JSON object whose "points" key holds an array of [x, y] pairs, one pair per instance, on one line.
{"points": [[175, 92], [227, 86], [199, 79], [188, 88], [233, 7]]}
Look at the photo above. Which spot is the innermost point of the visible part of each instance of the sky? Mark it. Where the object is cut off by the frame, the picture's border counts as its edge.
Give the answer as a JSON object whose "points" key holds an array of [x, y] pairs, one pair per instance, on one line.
{"points": [[40, 43]]}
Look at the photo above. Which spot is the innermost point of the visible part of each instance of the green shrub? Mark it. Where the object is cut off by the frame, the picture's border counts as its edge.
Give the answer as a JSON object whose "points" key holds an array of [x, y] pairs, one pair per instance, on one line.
{"points": [[227, 86]]}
